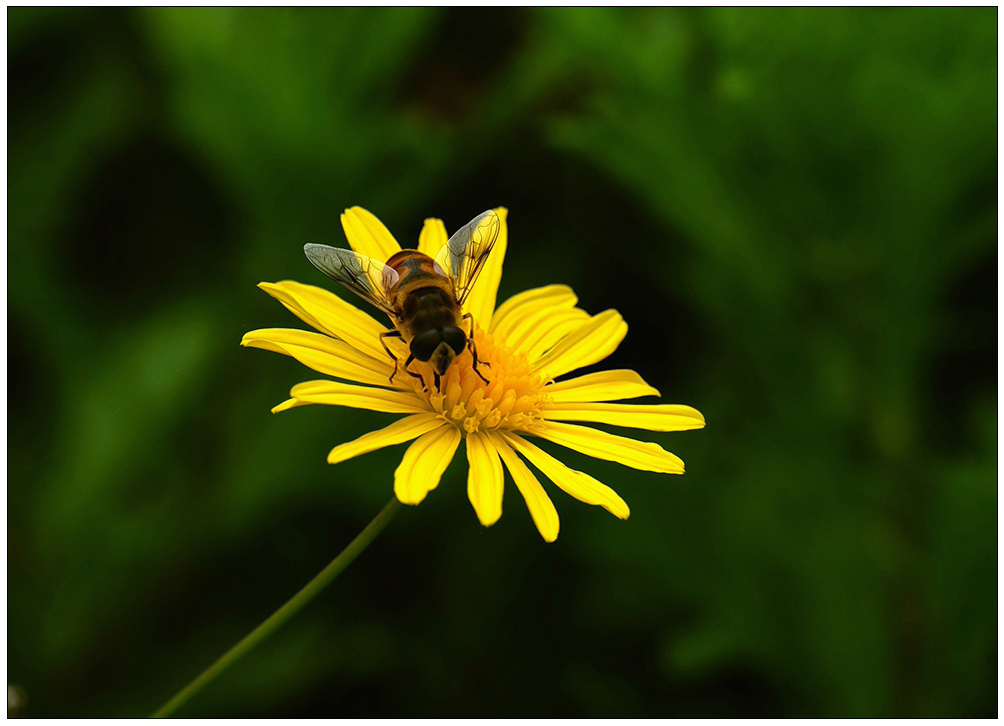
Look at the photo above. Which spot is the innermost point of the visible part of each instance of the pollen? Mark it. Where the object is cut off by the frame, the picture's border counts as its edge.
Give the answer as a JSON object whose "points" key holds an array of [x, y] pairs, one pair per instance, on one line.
{"points": [[511, 400]]}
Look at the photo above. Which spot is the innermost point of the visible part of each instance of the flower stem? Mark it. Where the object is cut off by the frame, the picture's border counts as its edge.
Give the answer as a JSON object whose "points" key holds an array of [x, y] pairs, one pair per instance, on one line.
{"points": [[280, 616]]}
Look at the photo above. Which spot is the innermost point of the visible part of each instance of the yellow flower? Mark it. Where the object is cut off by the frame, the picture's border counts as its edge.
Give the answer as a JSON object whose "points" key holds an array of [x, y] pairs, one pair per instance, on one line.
{"points": [[530, 340]]}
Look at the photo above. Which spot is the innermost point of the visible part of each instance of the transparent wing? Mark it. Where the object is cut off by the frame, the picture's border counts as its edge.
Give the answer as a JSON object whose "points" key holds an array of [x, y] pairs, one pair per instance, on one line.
{"points": [[463, 256], [368, 278]]}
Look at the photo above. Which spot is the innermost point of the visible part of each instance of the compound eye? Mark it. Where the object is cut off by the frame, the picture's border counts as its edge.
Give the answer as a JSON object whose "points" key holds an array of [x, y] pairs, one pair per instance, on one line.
{"points": [[455, 338], [424, 344]]}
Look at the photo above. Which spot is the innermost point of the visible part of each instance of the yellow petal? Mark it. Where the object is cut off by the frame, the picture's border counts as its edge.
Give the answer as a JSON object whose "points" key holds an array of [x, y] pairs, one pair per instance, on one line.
{"points": [[367, 235], [484, 478], [601, 445], [481, 299], [588, 344], [433, 237], [516, 308], [333, 393], [537, 325], [330, 314], [546, 333], [424, 463], [601, 386], [545, 516], [325, 354], [288, 404], [576, 483], [657, 417], [402, 430]]}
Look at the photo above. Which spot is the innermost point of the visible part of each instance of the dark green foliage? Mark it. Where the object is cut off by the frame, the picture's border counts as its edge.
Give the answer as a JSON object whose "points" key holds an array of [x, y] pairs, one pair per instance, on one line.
{"points": [[795, 210]]}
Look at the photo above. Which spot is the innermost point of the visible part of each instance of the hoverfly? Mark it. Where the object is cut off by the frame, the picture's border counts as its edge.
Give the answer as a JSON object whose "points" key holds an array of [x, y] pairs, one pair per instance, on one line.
{"points": [[423, 297]]}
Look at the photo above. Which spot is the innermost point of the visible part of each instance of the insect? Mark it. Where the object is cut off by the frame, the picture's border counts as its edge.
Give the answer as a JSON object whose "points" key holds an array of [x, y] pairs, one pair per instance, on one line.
{"points": [[423, 297]]}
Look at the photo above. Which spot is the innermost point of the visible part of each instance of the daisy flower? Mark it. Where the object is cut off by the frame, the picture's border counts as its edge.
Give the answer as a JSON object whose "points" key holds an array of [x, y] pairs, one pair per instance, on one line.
{"points": [[513, 398]]}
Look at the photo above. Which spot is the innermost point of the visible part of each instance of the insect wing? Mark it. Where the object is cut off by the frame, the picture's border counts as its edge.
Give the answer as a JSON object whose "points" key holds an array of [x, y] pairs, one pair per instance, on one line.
{"points": [[368, 278], [463, 256]]}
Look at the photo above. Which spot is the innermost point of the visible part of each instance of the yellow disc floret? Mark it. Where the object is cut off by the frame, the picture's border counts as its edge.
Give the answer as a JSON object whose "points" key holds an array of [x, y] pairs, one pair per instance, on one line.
{"points": [[511, 400]]}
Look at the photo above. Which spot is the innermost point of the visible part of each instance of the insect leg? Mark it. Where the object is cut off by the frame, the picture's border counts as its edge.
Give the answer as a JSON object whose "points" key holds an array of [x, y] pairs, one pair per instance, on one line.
{"points": [[468, 316], [474, 352], [410, 373], [474, 349], [391, 334]]}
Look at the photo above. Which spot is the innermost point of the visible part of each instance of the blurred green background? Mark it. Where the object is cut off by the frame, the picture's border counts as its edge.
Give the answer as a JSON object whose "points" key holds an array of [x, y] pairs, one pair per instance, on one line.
{"points": [[795, 210]]}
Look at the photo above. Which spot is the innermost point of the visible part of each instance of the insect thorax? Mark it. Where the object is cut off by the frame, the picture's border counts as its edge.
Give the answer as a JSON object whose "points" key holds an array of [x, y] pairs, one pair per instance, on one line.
{"points": [[426, 308]]}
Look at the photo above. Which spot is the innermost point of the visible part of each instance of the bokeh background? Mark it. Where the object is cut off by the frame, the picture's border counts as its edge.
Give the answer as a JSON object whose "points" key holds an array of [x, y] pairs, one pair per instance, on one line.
{"points": [[795, 210]]}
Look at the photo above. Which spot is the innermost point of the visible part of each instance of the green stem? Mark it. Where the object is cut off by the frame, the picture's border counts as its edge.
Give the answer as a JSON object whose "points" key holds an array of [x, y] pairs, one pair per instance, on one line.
{"points": [[284, 613]]}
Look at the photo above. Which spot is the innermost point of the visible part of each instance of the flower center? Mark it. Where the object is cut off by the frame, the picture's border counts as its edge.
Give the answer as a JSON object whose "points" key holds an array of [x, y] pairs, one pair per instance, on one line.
{"points": [[511, 399]]}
